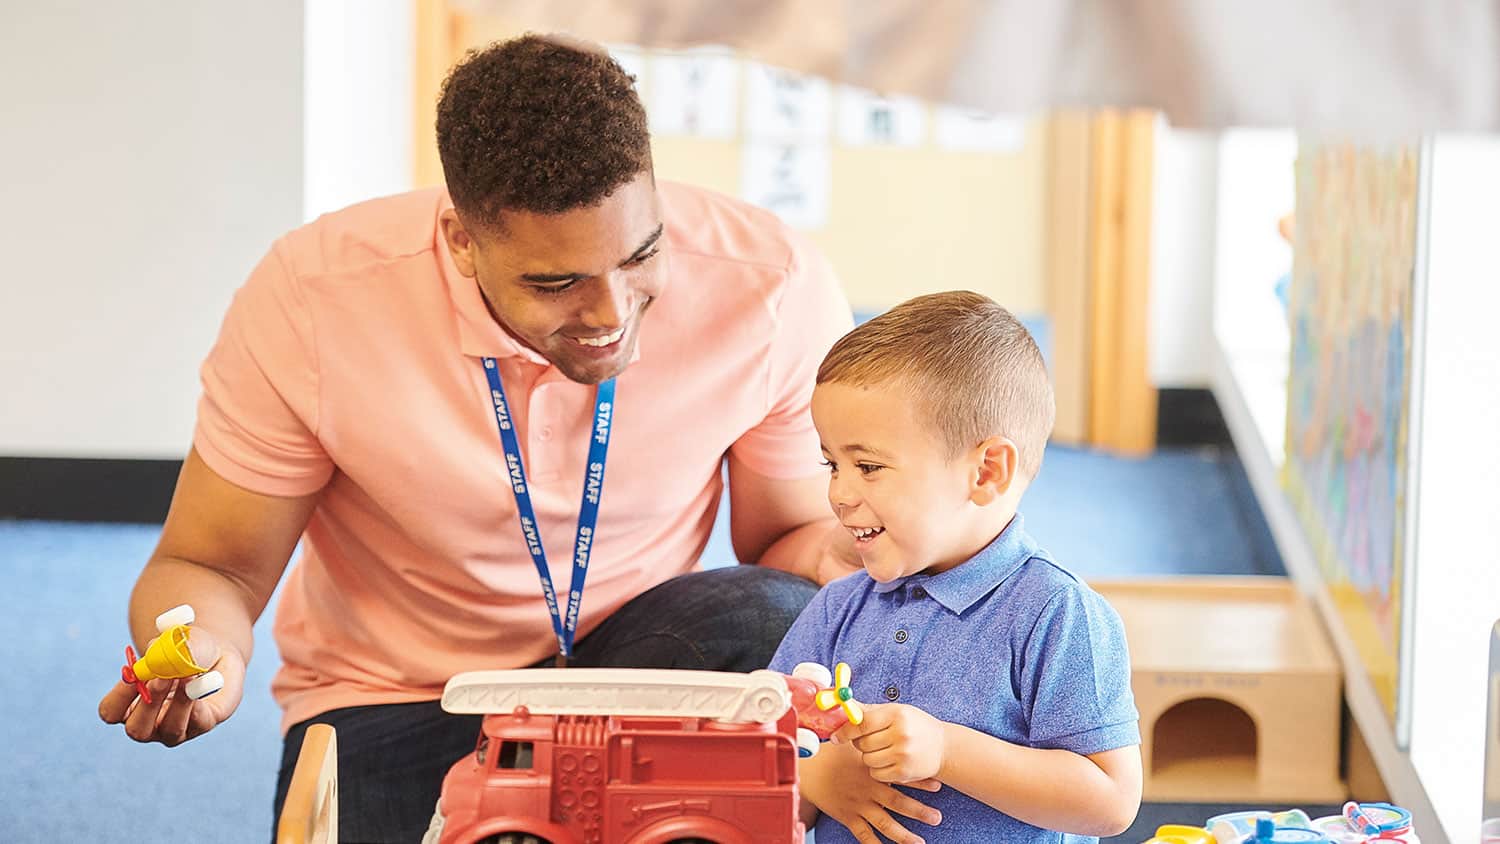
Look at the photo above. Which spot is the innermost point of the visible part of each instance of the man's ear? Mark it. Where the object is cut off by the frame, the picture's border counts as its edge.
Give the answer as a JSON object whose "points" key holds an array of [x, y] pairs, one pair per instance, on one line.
{"points": [[460, 242], [996, 462]]}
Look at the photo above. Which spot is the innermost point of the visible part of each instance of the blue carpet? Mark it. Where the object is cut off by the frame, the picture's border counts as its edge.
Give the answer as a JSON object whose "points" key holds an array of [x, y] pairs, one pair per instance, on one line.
{"points": [[72, 778]]}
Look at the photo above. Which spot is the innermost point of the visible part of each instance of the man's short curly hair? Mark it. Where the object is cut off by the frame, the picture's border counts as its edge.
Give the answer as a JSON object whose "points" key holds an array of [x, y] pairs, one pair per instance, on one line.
{"points": [[535, 124]]}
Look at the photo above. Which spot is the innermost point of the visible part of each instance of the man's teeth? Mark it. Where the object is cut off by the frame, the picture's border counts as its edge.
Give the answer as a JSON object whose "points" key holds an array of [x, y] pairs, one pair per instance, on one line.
{"points": [[866, 533], [606, 340]]}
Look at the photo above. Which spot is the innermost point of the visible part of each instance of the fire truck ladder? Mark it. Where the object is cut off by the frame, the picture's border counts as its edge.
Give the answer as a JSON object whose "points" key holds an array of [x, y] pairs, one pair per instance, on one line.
{"points": [[757, 697]]}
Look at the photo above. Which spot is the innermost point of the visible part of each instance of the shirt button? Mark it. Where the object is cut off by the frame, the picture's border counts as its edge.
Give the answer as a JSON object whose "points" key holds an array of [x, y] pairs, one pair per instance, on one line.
{"points": [[918, 592], [544, 434], [891, 693], [900, 635]]}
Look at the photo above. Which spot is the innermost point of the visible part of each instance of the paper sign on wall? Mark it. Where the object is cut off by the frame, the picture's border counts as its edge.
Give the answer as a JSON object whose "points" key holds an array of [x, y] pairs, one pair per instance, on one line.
{"points": [[693, 92], [962, 129], [785, 106], [788, 178], [869, 119]]}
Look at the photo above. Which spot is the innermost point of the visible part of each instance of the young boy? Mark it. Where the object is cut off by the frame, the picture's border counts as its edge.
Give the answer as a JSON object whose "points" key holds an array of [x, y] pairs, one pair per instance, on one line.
{"points": [[995, 683]]}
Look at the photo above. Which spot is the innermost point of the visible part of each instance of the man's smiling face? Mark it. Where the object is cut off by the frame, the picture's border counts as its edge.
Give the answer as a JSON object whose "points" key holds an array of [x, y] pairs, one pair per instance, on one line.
{"points": [[572, 286]]}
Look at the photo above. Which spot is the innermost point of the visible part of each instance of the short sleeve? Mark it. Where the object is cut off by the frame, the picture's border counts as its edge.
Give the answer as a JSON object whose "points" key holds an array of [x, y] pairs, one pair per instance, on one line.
{"points": [[1075, 676], [810, 316], [258, 413], [809, 638]]}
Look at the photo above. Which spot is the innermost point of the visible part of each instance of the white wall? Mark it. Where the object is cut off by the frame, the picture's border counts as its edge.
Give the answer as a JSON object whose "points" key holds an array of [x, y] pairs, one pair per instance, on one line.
{"points": [[1458, 535], [153, 150], [1256, 187], [359, 63], [1182, 256]]}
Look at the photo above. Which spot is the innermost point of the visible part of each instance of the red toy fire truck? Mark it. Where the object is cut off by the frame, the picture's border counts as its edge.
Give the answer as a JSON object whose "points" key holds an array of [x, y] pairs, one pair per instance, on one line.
{"points": [[620, 756]]}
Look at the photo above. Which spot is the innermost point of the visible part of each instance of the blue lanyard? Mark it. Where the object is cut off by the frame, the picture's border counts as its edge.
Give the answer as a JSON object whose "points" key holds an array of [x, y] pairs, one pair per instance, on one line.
{"points": [[588, 512]]}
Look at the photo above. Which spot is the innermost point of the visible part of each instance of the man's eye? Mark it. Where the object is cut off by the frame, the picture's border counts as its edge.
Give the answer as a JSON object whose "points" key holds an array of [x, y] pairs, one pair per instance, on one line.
{"points": [[641, 259], [553, 290]]}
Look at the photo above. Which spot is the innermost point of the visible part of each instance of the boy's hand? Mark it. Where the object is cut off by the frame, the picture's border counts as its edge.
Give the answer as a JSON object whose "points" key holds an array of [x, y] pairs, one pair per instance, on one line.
{"points": [[899, 743], [839, 784]]}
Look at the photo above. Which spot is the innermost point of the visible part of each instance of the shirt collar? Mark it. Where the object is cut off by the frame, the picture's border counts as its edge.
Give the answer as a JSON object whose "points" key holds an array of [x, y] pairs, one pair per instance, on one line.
{"points": [[479, 335], [962, 586]]}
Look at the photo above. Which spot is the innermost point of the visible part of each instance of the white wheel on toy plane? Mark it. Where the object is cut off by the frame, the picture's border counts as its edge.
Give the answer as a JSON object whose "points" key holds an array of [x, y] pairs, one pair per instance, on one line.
{"points": [[807, 743], [203, 685], [173, 617]]}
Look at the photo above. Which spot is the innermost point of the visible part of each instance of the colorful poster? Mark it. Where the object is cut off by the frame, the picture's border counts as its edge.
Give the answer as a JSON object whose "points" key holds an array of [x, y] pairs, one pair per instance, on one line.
{"points": [[1350, 310]]}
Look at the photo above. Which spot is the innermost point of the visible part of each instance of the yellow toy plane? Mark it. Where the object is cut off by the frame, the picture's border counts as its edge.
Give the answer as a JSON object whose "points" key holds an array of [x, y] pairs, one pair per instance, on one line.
{"points": [[171, 657]]}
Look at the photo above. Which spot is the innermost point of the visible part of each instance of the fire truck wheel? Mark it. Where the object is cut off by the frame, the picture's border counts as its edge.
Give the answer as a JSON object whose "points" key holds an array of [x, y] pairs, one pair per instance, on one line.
{"points": [[513, 838]]}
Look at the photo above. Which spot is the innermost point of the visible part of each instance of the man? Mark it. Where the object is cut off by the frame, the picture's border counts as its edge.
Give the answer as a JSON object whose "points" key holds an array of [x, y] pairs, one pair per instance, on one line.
{"points": [[427, 389]]}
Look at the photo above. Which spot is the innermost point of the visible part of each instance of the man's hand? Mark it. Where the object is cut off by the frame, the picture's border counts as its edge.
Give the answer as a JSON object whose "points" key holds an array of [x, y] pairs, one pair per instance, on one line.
{"points": [[839, 784], [171, 718], [898, 742]]}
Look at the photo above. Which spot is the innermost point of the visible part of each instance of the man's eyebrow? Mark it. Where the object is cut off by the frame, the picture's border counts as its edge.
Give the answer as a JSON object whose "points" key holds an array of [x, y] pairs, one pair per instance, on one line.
{"points": [[554, 278], [646, 244], [549, 278]]}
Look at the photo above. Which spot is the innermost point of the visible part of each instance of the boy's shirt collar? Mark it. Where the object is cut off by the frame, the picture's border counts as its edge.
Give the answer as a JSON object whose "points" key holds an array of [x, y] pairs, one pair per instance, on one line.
{"points": [[962, 586]]}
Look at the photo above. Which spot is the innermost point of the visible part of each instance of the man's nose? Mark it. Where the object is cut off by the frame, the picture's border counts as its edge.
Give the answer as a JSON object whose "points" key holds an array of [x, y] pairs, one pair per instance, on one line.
{"points": [[612, 306]]}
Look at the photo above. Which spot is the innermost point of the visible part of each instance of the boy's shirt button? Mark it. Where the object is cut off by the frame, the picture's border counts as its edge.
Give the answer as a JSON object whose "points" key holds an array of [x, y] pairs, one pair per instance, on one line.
{"points": [[918, 592], [891, 693], [900, 636]]}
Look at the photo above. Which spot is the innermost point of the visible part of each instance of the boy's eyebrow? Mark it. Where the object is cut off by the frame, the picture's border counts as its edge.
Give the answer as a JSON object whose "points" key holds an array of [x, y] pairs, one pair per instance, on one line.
{"points": [[870, 450]]}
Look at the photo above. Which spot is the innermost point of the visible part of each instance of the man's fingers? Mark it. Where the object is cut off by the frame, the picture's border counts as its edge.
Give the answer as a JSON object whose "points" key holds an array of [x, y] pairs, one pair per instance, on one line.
{"points": [[116, 703], [203, 647], [888, 827], [903, 804], [172, 727], [862, 832], [140, 724]]}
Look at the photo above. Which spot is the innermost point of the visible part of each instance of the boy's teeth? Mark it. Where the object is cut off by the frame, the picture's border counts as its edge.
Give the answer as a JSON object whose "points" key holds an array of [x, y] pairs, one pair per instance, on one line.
{"points": [[865, 533]]}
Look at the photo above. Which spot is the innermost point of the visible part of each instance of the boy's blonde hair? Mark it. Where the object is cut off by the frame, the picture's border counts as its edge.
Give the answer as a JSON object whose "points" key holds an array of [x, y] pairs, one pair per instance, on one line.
{"points": [[971, 366]]}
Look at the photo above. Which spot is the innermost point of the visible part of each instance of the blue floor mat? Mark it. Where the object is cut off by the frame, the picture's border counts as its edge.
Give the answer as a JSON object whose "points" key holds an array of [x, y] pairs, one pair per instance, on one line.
{"points": [[72, 778]]}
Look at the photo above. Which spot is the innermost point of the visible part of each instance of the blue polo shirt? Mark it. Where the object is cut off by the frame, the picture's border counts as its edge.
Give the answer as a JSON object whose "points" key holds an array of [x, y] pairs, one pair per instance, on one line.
{"points": [[1008, 643]]}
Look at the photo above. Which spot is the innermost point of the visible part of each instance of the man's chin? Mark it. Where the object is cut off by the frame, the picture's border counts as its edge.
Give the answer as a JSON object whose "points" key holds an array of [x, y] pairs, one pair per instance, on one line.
{"points": [[592, 371]]}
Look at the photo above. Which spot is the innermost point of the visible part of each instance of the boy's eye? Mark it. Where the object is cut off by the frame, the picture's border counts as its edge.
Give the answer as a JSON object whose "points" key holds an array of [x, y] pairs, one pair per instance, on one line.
{"points": [[832, 466], [868, 468]]}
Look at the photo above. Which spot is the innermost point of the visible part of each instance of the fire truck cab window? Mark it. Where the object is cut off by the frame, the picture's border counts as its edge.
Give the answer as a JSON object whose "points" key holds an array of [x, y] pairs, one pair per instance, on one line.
{"points": [[482, 750], [515, 754]]}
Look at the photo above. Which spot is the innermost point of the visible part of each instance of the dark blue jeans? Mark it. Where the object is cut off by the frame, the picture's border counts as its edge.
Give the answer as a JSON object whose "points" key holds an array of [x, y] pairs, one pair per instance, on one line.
{"points": [[392, 758]]}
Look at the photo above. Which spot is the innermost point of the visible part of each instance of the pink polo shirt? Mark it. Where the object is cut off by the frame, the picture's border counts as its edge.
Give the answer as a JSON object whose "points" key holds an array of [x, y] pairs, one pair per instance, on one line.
{"points": [[350, 362]]}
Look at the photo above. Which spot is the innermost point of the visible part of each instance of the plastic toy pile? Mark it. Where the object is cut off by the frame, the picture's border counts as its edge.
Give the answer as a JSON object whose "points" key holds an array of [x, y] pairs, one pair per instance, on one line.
{"points": [[1359, 822]]}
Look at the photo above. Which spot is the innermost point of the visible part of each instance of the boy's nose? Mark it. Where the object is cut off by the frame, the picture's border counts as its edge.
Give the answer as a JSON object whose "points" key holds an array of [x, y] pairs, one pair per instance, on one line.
{"points": [[841, 497]]}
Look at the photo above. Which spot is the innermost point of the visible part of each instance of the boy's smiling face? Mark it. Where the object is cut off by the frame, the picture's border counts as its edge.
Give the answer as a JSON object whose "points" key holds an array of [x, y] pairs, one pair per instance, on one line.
{"points": [[892, 482]]}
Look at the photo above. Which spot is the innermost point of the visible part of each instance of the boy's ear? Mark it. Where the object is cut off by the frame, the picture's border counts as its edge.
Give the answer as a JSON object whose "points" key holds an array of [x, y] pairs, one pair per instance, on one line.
{"points": [[997, 460]]}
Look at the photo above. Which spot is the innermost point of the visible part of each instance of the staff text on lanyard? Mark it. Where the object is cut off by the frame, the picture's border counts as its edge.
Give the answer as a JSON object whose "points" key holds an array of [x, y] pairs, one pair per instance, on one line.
{"points": [[588, 511]]}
